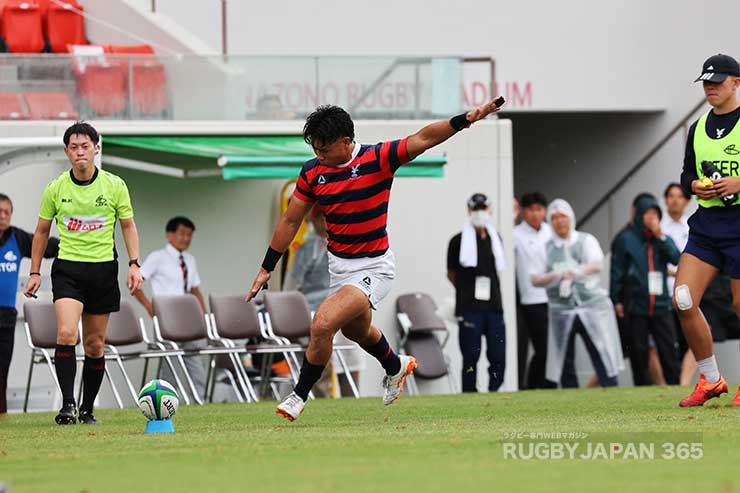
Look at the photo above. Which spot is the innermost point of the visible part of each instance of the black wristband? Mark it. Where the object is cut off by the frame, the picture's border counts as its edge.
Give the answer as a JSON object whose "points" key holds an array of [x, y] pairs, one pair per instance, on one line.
{"points": [[271, 259], [34, 274], [459, 122]]}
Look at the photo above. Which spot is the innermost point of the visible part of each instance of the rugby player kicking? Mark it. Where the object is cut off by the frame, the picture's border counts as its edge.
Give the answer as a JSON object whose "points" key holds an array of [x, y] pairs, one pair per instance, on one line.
{"points": [[351, 183]]}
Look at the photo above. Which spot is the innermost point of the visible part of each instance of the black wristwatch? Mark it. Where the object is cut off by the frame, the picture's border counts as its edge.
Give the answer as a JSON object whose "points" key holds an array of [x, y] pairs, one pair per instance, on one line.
{"points": [[134, 261]]}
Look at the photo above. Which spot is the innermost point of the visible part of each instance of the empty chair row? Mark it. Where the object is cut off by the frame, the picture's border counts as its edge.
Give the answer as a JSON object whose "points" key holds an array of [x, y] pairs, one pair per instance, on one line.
{"points": [[109, 88], [281, 330], [36, 106]]}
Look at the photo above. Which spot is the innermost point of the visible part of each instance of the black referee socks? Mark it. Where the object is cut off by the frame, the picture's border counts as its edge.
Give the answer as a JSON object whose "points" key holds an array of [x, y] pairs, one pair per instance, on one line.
{"points": [[92, 376], [382, 351], [309, 375], [66, 366]]}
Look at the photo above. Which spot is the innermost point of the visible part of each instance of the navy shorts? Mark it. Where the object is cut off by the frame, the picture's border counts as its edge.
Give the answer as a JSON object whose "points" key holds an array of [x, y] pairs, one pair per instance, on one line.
{"points": [[714, 237]]}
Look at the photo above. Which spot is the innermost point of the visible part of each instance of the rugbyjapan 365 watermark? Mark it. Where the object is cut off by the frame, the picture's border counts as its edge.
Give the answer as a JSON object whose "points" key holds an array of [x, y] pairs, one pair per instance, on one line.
{"points": [[602, 446]]}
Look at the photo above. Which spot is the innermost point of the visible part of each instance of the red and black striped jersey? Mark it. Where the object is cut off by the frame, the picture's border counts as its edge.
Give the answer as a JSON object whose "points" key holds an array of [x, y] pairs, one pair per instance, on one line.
{"points": [[354, 197]]}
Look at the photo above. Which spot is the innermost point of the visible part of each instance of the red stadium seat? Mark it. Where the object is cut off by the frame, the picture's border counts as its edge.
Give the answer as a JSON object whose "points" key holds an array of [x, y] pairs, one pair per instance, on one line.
{"points": [[50, 106], [103, 87], [11, 107], [20, 25], [64, 26], [129, 50], [148, 88]]}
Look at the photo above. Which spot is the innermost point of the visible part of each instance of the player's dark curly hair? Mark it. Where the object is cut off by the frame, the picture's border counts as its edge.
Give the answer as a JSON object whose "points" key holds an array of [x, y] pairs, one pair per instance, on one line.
{"points": [[327, 124], [81, 128]]}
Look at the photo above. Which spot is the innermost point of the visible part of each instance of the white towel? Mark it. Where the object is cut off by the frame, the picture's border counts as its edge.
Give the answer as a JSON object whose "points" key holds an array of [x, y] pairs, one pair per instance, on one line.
{"points": [[469, 247]]}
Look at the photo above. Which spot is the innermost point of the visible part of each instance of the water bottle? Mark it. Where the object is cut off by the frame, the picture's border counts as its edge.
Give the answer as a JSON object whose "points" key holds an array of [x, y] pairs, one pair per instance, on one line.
{"points": [[714, 174]]}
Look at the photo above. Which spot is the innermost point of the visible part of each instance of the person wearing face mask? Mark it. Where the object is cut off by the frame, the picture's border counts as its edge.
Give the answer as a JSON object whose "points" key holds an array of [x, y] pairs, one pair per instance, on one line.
{"points": [[474, 258], [530, 238], [576, 301]]}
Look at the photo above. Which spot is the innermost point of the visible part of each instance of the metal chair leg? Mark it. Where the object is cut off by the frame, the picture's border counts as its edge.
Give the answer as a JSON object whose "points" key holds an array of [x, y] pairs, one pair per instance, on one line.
{"points": [[211, 367], [146, 370], [178, 382], [347, 374], [114, 389], [130, 385], [28, 382]]}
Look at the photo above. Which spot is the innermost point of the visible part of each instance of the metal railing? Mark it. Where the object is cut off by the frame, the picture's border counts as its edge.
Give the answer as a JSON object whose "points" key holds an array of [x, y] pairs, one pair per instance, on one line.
{"points": [[103, 85], [606, 199]]}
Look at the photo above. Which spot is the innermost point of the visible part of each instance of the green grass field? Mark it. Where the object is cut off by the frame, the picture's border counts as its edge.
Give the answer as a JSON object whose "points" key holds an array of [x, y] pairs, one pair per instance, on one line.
{"points": [[419, 444]]}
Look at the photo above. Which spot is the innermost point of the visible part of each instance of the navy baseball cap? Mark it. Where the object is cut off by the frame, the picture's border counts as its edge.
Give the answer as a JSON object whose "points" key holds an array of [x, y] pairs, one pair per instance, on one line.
{"points": [[478, 201], [716, 68]]}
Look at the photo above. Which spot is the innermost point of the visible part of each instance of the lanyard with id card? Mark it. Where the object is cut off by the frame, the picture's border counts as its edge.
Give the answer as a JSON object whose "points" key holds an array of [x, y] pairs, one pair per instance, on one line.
{"points": [[655, 283], [482, 288]]}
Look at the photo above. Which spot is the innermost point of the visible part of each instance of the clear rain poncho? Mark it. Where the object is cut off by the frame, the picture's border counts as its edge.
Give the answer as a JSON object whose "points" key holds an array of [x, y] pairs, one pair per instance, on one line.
{"points": [[583, 297]]}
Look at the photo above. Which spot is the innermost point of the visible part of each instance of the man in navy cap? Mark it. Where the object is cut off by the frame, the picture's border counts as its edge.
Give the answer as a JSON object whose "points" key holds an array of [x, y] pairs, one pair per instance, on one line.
{"points": [[711, 171], [474, 258]]}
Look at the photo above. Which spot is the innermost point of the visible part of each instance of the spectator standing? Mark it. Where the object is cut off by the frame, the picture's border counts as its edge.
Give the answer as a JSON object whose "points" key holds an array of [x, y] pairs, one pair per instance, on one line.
{"points": [[530, 238], [640, 260], [474, 258], [577, 302]]}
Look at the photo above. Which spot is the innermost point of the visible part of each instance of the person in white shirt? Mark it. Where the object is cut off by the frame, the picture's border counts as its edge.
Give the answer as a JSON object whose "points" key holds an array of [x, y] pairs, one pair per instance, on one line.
{"points": [[675, 223], [173, 271], [530, 240]]}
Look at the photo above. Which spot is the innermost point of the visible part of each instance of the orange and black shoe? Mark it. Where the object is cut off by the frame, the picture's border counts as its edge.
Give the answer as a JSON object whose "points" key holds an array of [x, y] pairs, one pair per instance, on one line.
{"points": [[736, 400], [704, 391]]}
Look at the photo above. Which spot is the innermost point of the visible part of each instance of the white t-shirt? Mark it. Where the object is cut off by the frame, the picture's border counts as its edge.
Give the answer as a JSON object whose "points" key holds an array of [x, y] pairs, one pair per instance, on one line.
{"points": [[678, 231], [162, 268], [531, 257]]}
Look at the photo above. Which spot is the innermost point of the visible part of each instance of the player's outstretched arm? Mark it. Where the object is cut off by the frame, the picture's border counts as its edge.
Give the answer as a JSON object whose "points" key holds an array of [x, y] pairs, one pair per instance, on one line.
{"points": [[285, 231], [437, 132]]}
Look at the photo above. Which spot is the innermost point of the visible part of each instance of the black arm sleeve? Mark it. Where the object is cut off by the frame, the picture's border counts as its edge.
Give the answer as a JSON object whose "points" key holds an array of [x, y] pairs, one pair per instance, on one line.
{"points": [[52, 248], [24, 240], [25, 243], [453, 254], [689, 162]]}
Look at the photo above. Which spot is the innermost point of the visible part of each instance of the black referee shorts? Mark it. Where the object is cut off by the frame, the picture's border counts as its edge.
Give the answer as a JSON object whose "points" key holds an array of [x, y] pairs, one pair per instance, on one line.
{"points": [[94, 284]]}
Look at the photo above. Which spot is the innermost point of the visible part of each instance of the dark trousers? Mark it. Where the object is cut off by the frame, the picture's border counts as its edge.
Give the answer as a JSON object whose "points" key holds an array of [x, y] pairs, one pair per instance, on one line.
{"points": [[535, 319], [7, 335], [663, 329], [473, 327], [569, 378]]}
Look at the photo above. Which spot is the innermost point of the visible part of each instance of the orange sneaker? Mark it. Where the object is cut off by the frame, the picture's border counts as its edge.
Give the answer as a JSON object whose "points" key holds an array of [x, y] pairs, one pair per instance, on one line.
{"points": [[704, 391], [736, 400]]}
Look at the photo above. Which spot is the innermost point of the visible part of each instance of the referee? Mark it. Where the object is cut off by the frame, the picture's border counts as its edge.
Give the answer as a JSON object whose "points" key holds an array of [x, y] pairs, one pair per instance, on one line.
{"points": [[85, 202], [714, 229]]}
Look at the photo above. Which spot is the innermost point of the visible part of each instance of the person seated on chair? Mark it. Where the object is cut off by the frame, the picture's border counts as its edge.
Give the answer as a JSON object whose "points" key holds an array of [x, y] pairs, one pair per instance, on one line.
{"points": [[173, 271]]}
